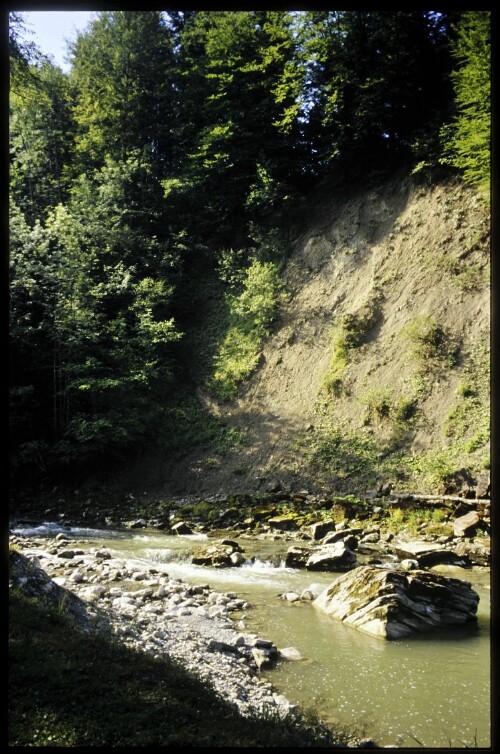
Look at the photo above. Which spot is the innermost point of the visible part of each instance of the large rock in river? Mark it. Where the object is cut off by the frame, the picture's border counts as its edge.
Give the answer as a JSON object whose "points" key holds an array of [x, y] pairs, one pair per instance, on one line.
{"points": [[334, 557], [476, 551], [296, 557], [286, 522], [427, 554], [392, 604], [466, 526], [221, 554], [319, 529]]}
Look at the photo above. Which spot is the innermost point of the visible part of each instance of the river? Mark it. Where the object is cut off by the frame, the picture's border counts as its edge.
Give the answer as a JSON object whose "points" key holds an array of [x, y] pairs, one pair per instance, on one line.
{"points": [[433, 689]]}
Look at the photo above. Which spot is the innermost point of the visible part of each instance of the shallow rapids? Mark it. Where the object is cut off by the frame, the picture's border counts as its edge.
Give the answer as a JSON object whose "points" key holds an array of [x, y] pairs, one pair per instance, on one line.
{"points": [[431, 690]]}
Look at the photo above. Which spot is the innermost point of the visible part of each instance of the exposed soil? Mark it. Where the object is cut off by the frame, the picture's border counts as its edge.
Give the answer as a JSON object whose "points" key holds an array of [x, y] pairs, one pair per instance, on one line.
{"points": [[425, 249]]}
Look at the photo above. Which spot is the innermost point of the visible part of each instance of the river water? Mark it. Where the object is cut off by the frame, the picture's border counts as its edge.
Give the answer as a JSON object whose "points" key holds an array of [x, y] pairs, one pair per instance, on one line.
{"points": [[431, 690]]}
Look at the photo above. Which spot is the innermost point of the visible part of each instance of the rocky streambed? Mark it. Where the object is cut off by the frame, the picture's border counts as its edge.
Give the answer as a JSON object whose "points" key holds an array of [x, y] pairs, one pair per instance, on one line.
{"points": [[157, 614], [205, 629]]}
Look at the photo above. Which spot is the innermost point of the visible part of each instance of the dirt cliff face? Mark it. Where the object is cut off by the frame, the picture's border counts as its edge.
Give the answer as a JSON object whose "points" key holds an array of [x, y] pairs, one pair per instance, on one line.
{"points": [[377, 369]]}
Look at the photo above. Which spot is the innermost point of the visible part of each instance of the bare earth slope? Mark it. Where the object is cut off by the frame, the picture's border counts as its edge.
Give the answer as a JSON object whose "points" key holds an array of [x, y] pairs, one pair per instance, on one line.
{"points": [[423, 253]]}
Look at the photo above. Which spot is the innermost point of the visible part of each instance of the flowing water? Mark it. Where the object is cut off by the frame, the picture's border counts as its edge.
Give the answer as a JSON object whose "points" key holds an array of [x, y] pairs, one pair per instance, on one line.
{"points": [[432, 689]]}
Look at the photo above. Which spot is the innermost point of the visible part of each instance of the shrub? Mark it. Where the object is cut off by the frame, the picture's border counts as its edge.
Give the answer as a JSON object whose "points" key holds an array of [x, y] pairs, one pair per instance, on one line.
{"points": [[395, 518], [477, 441], [405, 410], [435, 468], [470, 277], [466, 276], [382, 406], [464, 390], [349, 332], [333, 385], [251, 313], [412, 520], [379, 404], [467, 139], [468, 422], [429, 344], [187, 424]]}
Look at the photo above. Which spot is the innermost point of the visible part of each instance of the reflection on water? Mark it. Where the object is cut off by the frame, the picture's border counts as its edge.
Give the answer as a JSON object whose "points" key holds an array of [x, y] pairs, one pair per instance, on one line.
{"points": [[427, 687], [433, 688]]}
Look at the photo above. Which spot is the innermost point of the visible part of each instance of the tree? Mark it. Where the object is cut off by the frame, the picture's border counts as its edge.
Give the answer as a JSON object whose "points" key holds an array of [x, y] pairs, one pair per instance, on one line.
{"points": [[41, 140], [164, 163], [90, 326], [468, 140], [22, 54], [239, 67], [375, 80], [122, 73]]}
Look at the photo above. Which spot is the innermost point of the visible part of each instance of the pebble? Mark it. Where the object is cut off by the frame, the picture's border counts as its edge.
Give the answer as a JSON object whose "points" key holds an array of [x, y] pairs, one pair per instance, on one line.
{"points": [[189, 624]]}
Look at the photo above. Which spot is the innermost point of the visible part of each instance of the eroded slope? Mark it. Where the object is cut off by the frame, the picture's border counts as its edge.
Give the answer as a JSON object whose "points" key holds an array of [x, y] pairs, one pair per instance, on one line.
{"points": [[406, 268]]}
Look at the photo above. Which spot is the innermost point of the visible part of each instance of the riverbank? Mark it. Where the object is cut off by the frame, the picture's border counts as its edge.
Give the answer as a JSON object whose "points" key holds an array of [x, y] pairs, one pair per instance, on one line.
{"points": [[162, 620], [460, 523]]}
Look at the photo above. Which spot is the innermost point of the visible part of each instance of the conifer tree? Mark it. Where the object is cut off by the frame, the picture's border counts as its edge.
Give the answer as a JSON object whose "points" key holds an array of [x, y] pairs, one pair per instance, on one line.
{"points": [[375, 79], [41, 140], [469, 138], [122, 74]]}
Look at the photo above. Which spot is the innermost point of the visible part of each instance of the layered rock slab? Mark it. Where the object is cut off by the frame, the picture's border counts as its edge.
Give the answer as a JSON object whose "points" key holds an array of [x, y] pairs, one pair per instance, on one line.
{"points": [[392, 604]]}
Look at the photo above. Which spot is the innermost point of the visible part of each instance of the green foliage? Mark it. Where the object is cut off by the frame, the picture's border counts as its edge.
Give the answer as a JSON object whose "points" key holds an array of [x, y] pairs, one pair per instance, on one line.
{"points": [[333, 383], [468, 424], [23, 55], [87, 286], [405, 410], [337, 454], [237, 358], [465, 275], [205, 511], [359, 461], [479, 440], [130, 54], [240, 69], [395, 519], [376, 80], [465, 390], [185, 424], [429, 345], [471, 277], [250, 316], [231, 265], [255, 306], [398, 415], [379, 404], [468, 138], [413, 520], [432, 469], [41, 135], [348, 333], [268, 244], [176, 136]]}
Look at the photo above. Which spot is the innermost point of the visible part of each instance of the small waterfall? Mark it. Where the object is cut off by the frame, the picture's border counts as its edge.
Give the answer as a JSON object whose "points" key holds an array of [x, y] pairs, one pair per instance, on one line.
{"points": [[51, 529], [269, 564], [166, 555]]}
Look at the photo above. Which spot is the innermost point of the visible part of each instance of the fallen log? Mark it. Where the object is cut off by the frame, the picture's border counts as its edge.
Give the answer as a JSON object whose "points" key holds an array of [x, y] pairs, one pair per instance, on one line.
{"points": [[436, 499]]}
